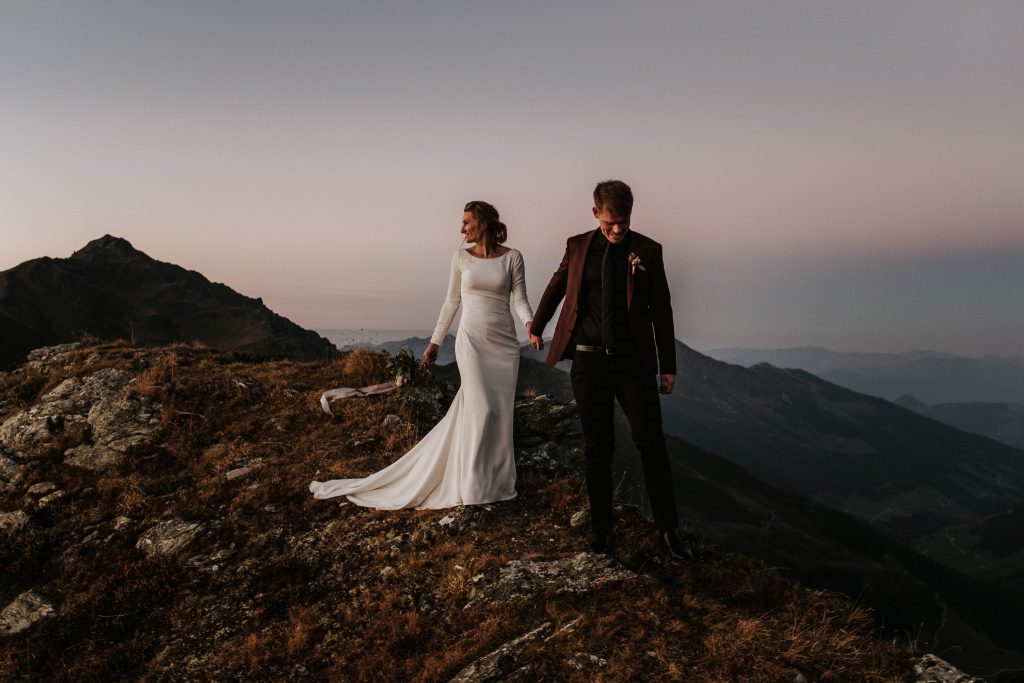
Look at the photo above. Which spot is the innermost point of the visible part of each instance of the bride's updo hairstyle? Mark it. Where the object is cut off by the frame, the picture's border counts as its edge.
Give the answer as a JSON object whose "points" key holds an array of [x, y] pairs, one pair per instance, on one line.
{"points": [[486, 213]]}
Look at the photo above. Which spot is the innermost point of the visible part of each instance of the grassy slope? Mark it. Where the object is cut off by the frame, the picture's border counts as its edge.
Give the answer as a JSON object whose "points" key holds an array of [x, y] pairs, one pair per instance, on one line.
{"points": [[305, 589]]}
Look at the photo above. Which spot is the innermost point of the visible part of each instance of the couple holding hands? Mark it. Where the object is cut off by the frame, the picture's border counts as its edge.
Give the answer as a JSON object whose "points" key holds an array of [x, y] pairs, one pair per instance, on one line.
{"points": [[616, 326]]}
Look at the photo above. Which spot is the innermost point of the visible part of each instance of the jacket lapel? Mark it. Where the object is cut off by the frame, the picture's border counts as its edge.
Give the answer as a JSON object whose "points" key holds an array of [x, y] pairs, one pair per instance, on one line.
{"points": [[581, 262]]}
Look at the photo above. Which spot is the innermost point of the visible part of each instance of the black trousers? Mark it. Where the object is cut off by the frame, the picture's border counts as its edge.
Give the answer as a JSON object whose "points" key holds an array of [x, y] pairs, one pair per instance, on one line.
{"points": [[598, 379]]}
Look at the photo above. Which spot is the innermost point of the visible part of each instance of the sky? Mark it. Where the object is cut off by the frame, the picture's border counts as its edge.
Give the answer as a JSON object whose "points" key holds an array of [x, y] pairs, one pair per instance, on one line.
{"points": [[847, 175]]}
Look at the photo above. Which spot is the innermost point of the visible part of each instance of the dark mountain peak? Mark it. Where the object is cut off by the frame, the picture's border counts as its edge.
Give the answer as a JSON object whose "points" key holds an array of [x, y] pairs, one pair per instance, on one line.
{"points": [[108, 246], [111, 290], [910, 402]]}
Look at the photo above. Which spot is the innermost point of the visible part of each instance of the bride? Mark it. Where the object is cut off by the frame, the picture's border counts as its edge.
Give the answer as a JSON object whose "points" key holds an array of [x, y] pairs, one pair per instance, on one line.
{"points": [[467, 458]]}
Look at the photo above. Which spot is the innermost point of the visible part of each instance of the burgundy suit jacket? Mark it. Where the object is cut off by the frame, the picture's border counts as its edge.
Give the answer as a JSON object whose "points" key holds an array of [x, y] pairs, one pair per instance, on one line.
{"points": [[647, 300]]}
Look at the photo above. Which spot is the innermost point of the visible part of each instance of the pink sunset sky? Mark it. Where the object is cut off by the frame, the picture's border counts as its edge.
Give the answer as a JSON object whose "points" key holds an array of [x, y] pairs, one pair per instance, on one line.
{"points": [[849, 175]]}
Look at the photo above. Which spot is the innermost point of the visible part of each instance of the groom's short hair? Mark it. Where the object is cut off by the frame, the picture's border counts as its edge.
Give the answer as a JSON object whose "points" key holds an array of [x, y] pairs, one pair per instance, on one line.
{"points": [[615, 195]]}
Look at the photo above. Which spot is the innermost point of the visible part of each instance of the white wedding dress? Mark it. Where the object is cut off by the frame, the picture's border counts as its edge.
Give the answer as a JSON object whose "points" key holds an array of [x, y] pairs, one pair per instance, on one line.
{"points": [[467, 458]]}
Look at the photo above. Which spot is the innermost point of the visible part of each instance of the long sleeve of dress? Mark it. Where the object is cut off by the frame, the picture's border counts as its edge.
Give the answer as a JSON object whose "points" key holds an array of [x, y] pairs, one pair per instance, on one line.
{"points": [[451, 302], [519, 300]]}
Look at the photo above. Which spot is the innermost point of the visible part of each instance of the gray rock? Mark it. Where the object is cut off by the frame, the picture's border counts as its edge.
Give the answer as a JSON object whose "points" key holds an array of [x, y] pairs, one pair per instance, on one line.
{"points": [[97, 409], [518, 581], [237, 472], [579, 519], [169, 536], [463, 517], [25, 610], [496, 665], [543, 415], [45, 357], [10, 469], [50, 498], [932, 669], [11, 522], [395, 424], [211, 562], [41, 488]]}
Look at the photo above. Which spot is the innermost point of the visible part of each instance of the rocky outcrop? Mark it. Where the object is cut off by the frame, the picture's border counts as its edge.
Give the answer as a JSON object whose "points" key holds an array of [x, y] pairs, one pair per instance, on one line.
{"points": [[25, 610], [11, 522], [500, 665], [932, 669], [97, 415], [169, 536], [520, 580]]}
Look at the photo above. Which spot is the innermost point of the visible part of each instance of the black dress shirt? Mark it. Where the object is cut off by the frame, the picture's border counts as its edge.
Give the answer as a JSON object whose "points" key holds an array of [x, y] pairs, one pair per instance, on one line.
{"points": [[588, 325]]}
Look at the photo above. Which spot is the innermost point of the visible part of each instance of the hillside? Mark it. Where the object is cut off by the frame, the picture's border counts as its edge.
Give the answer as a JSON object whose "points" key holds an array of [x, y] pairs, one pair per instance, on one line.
{"points": [[931, 376], [157, 524], [110, 290]]}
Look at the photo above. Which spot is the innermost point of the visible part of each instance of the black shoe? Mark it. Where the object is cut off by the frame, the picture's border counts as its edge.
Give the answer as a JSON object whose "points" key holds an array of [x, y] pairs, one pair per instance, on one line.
{"points": [[601, 542], [677, 547]]}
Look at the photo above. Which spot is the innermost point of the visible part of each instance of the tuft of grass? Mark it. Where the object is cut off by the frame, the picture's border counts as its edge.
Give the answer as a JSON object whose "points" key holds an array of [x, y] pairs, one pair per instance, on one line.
{"points": [[363, 366]]}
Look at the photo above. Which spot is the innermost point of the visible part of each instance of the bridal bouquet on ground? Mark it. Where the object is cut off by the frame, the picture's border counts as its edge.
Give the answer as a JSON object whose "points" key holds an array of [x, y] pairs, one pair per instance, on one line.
{"points": [[418, 389]]}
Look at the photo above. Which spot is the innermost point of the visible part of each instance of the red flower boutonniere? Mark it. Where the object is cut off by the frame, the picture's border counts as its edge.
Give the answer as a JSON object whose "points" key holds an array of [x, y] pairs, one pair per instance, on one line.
{"points": [[634, 262]]}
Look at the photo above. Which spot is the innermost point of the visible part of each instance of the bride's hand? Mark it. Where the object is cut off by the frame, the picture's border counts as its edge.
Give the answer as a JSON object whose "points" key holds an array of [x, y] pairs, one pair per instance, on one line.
{"points": [[430, 354]]}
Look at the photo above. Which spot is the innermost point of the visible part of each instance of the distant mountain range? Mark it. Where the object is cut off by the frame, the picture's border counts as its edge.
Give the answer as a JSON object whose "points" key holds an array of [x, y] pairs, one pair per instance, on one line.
{"points": [[930, 376], [111, 290], [1000, 421], [904, 472], [417, 345]]}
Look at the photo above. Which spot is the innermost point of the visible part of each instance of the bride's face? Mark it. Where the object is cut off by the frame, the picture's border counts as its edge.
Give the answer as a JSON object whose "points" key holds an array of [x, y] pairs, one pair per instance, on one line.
{"points": [[471, 227]]}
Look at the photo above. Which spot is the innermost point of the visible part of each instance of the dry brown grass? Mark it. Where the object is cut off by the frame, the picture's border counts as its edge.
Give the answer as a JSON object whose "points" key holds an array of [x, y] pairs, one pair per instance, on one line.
{"points": [[362, 366], [305, 586]]}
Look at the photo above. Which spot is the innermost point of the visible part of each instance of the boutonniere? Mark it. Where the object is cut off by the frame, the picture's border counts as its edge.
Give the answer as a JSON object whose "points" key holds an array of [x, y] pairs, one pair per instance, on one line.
{"points": [[634, 262]]}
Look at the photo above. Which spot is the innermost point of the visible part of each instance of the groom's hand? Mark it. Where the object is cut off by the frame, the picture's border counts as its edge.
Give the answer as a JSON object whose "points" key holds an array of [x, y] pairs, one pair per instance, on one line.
{"points": [[668, 382], [537, 342]]}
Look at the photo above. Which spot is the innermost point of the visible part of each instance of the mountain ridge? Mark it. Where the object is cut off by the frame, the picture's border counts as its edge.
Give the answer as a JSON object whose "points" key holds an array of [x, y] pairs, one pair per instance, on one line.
{"points": [[111, 290]]}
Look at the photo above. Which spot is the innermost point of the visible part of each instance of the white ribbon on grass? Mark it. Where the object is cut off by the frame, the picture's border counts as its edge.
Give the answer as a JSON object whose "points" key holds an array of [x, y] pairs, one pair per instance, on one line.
{"points": [[345, 392]]}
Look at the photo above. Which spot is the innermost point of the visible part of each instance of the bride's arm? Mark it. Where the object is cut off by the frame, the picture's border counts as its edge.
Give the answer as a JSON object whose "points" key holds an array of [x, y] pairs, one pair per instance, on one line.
{"points": [[451, 302], [519, 300]]}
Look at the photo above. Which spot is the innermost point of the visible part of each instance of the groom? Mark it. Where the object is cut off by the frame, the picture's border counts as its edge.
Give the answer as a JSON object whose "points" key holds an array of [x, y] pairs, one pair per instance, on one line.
{"points": [[616, 325]]}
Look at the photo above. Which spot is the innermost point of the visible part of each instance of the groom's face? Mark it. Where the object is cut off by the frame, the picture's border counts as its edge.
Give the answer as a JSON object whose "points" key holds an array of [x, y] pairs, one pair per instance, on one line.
{"points": [[613, 226]]}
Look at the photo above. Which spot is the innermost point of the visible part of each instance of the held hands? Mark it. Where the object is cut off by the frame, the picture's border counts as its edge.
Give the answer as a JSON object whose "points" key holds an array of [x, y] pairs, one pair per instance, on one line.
{"points": [[668, 382], [430, 354], [536, 341]]}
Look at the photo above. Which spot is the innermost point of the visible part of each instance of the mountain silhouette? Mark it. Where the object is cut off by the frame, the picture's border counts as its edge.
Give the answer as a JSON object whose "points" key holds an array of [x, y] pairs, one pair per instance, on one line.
{"points": [[111, 290]]}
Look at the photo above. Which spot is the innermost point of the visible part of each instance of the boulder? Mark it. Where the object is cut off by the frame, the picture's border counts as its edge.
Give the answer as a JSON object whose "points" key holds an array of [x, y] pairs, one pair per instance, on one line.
{"points": [[25, 610], [932, 669], [497, 665], [519, 580], [169, 536], [97, 411], [10, 469], [11, 522]]}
